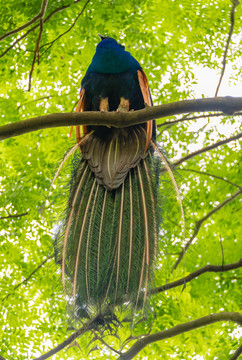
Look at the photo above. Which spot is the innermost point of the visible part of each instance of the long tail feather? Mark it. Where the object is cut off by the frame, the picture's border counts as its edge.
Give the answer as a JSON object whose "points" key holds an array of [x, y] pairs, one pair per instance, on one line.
{"points": [[168, 168], [119, 240], [109, 237], [130, 229]]}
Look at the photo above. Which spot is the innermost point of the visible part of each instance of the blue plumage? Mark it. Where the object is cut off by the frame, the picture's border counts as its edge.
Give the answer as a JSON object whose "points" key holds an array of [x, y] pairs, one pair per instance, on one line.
{"points": [[112, 74], [111, 58]]}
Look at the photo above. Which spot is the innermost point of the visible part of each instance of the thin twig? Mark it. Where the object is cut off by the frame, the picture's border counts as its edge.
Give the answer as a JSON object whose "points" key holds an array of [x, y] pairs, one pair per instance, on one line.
{"points": [[32, 21], [186, 118], [199, 223], [29, 277], [195, 274], [237, 353], [207, 148], [212, 175], [179, 329], [65, 32], [222, 250], [13, 216], [235, 3], [106, 344], [36, 100], [33, 28], [36, 51]]}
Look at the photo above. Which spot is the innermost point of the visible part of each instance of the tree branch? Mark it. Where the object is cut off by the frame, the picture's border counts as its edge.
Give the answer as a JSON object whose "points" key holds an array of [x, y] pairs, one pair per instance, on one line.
{"points": [[65, 32], [32, 21], [65, 343], [179, 329], [212, 175], [36, 51], [235, 3], [198, 152], [106, 344], [186, 118], [226, 104], [237, 353], [90, 325], [199, 223], [30, 275], [183, 281], [13, 216], [33, 28]]}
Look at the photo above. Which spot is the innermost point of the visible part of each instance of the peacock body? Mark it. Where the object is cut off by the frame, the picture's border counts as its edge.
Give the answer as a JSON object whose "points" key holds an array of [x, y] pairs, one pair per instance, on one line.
{"points": [[109, 237]]}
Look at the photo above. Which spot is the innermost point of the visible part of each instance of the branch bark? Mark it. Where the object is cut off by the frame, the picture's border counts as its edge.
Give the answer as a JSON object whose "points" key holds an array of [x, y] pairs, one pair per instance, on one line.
{"points": [[179, 329], [193, 275], [32, 21], [201, 221], [229, 105]]}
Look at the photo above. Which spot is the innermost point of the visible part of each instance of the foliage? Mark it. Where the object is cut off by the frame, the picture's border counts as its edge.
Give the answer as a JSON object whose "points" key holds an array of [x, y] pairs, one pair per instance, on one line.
{"points": [[168, 38]]}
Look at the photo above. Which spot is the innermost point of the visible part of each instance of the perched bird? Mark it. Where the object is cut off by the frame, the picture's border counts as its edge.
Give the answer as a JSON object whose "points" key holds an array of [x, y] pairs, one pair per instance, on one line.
{"points": [[109, 237]]}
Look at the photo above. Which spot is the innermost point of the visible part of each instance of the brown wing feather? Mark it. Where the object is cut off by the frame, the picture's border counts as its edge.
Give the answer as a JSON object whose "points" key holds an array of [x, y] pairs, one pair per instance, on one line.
{"points": [[111, 157], [143, 83], [80, 108]]}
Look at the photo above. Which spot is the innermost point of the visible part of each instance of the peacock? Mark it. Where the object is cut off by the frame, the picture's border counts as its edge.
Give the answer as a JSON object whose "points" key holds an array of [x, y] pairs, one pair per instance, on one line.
{"points": [[107, 243]]}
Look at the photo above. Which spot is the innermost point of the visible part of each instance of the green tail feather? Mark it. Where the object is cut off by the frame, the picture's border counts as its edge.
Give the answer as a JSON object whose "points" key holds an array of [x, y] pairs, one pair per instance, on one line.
{"points": [[109, 237]]}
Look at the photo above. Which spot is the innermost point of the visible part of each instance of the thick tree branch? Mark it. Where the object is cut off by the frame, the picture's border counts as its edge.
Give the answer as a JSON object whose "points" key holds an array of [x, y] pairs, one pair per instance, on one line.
{"points": [[32, 21], [212, 175], [228, 105], [199, 223], [179, 329], [198, 152], [183, 281], [235, 3]]}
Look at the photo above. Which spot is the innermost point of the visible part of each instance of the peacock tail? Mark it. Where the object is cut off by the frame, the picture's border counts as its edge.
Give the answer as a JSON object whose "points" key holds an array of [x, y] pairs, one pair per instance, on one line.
{"points": [[109, 237]]}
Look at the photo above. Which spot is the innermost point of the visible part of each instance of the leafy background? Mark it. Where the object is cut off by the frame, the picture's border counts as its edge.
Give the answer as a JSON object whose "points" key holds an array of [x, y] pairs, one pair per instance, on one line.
{"points": [[169, 39]]}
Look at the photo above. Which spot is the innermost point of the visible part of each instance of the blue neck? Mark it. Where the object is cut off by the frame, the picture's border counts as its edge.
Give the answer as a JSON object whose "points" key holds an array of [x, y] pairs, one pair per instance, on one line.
{"points": [[111, 58]]}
